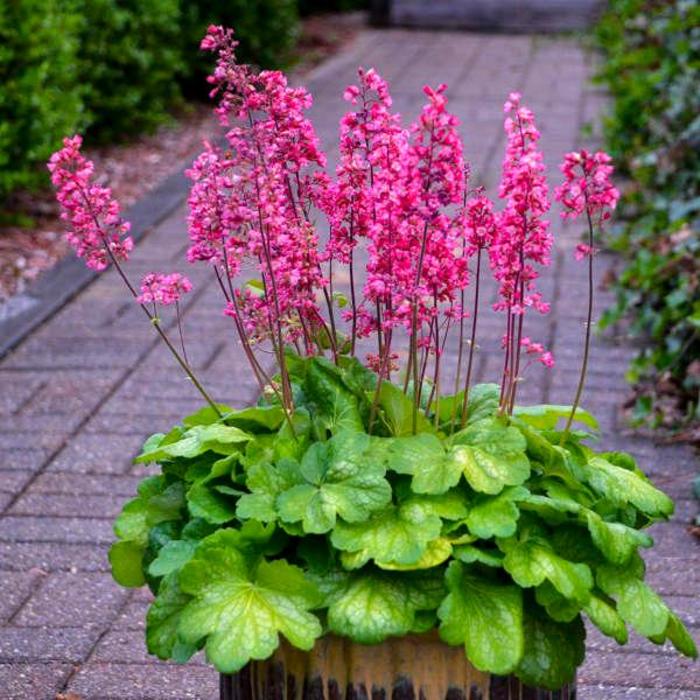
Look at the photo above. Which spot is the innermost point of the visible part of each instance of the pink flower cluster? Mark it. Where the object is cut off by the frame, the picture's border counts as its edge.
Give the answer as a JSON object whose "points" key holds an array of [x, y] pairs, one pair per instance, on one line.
{"points": [[523, 236], [587, 185], [157, 288], [96, 228], [253, 201]]}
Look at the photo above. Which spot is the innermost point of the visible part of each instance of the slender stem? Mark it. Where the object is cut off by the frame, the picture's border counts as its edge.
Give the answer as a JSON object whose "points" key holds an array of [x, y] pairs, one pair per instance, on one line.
{"points": [[589, 320], [179, 328], [354, 304], [472, 340]]}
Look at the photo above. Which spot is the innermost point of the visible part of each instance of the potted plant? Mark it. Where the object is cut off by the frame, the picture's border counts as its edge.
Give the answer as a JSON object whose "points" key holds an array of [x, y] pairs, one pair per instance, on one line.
{"points": [[377, 525]]}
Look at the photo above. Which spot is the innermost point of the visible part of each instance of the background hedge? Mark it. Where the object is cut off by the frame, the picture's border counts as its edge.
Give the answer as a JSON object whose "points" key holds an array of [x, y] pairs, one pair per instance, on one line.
{"points": [[652, 68], [113, 68]]}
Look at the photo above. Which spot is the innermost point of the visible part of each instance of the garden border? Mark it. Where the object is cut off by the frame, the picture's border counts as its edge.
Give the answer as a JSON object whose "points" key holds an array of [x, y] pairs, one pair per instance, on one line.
{"points": [[56, 287]]}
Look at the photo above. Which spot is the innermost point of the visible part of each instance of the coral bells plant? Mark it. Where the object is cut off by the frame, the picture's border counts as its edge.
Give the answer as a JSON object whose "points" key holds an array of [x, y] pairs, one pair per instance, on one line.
{"points": [[364, 494]]}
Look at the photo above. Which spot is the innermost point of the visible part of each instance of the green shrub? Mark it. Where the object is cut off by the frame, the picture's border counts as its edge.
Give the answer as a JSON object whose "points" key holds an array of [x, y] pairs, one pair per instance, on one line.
{"points": [[652, 70], [130, 57], [40, 96], [267, 31]]}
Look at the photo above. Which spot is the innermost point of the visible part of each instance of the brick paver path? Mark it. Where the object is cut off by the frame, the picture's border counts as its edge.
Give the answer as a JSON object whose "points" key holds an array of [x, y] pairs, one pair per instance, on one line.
{"points": [[79, 395]]}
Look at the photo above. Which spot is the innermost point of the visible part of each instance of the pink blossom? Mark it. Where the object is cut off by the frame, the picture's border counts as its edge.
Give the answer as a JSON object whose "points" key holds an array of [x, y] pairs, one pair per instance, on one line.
{"points": [[547, 359], [480, 223], [96, 227], [163, 289], [587, 185], [583, 251]]}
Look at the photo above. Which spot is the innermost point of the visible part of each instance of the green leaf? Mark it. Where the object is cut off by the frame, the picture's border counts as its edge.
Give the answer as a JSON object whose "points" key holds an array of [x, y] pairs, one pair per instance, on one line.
{"points": [[213, 506], [172, 557], [533, 561], [553, 652], [374, 606], [547, 416], [482, 402], [126, 560], [205, 416], [338, 478], [394, 535], [679, 636], [496, 516], [266, 481], [470, 554], [397, 412], [557, 606], [622, 486], [333, 402], [256, 418], [616, 541], [491, 455], [606, 618], [423, 456], [162, 621], [241, 609], [485, 616], [197, 440], [157, 502], [637, 604]]}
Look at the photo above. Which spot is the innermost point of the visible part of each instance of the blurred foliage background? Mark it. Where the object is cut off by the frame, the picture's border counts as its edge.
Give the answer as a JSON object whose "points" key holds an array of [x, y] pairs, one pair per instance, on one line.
{"points": [[115, 68], [652, 69]]}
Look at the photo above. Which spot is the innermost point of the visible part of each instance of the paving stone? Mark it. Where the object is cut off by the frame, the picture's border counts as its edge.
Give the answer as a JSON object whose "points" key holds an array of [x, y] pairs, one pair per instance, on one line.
{"points": [[37, 681], [54, 556], [84, 484], [129, 646], [114, 681], [15, 588], [72, 600], [46, 644], [37, 503], [97, 454], [26, 459], [634, 692], [69, 530], [642, 670]]}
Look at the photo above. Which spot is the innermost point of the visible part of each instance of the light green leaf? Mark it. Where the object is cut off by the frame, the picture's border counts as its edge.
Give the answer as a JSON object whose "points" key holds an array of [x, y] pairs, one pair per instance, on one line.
{"points": [[557, 606], [266, 482], [436, 552], [547, 416], [206, 416], [394, 535], [486, 616], [679, 636], [637, 604], [162, 621], [496, 516], [339, 478], [616, 541], [205, 502], [242, 610], [533, 561], [397, 412], [157, 502], [606, 618], [423, 456], [172, 557], [334, 403], [482, 402], [621, 486], [491, 455], [256, 418], [371, 608], [469, 554], [126, 560], [553, 652]]}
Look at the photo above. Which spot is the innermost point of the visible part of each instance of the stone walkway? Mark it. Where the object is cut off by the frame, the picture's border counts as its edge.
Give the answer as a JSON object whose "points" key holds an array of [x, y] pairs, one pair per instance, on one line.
{"points": [[79, 395]]}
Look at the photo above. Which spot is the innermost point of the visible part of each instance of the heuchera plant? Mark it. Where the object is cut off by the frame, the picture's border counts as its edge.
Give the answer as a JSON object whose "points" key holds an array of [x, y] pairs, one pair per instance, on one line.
{"points": [[373, 499]]}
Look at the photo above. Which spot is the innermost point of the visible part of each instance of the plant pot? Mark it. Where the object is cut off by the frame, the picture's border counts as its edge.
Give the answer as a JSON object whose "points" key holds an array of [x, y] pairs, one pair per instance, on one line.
{"points": [[414, 667]]}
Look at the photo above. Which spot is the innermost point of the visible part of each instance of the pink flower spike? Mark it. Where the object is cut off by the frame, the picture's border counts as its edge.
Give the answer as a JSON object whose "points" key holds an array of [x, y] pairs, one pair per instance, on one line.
{"points": [[97, 231], [157, 288]]}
